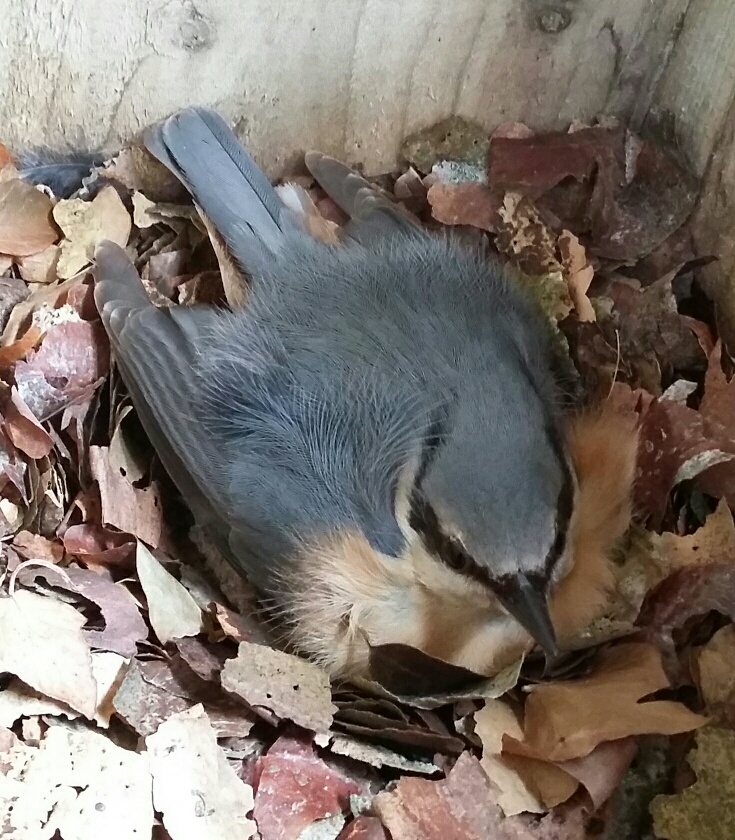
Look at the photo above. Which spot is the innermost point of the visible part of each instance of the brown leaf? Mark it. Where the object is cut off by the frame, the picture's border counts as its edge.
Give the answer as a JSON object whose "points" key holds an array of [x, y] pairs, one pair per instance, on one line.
{"points": [[409, 671], [17, 350], [287, 685], [297, 789], [26, 226], [36, 547], [132, 509], [97, 545], [23, 430], [565, 720], [376, 755], [465, 204], [136, 169], [205, 660], [713, 542]]}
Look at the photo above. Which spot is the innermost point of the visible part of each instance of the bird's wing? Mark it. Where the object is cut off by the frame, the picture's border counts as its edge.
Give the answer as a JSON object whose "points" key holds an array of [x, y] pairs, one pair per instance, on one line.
{"points": [[371, 212], [156, 352], [198, 146]]}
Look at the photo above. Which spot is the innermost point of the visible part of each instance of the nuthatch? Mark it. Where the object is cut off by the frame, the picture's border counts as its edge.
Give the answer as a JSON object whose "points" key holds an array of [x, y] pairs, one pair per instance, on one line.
{"points": [[375, 439]]}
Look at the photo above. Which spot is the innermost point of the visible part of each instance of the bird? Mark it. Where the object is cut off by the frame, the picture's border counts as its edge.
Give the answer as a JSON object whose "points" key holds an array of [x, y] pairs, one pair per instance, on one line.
{"points": [[377, 438]]}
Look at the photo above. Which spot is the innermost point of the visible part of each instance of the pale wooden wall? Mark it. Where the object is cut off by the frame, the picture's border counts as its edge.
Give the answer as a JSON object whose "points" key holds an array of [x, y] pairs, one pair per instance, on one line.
{"points": [[354, 77]]}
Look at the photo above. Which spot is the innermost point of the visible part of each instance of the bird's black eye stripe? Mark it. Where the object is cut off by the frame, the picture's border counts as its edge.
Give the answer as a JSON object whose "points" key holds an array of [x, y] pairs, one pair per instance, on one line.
{"points": [[424, 521], [564, 505]]}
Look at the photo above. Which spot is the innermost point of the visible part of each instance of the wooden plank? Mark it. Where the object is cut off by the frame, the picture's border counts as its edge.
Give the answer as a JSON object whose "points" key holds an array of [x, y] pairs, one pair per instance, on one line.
{"points": [[352, 77]]}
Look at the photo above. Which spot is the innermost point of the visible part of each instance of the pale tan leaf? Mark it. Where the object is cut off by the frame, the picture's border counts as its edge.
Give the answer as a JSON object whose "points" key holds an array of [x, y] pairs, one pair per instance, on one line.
{"points": [[41, 267], [492, 722], [289, 686], [135, 510], [77, 783], [199, 795], [172, 611], [42, 643], [87, 223], [715, 665]]}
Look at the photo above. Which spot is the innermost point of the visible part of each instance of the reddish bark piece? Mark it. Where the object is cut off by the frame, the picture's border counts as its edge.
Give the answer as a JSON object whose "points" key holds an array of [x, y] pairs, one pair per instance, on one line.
{"points": [[535, 164], [364, 828], [463, 807], [465, 204], [296, 789]]}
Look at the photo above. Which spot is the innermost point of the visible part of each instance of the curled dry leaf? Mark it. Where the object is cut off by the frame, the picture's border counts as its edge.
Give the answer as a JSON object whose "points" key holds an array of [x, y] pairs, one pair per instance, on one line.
{"points": [[85, 224], [26, 226], [42, 643], [194, 788], [171, 609], [297, 789], [98, 545], [287, 685], [706, 808], [578, 273], [41, 267], [377, 755], [565, 720], [78, 784], [23, 429], [136, 169]]}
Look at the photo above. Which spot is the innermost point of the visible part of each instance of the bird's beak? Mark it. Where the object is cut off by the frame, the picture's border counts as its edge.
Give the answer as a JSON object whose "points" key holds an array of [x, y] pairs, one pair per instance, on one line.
{"points": [[525, 599]]}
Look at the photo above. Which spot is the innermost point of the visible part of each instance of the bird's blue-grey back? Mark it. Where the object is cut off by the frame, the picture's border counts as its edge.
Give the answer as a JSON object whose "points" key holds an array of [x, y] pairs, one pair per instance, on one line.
{"points": [[303, 407]]}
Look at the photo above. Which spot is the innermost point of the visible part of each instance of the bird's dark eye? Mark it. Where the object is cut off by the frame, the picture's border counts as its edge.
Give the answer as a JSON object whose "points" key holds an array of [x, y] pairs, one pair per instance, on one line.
{"points": [[424, 521], [454, 556]]}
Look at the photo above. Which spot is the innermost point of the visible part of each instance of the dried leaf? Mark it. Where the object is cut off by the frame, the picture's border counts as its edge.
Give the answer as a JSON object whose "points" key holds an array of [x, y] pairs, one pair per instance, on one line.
{"points": [[23, 430], [298, 789], [364, 828], [26, 226], [132, 509], [194, 787], [171, 609], [689, 592], [152, 691], [465, 204], [578, 274], [495, 720], [704, 809], [234, 282], [85, 224], [41, 267], [42, 643], [16, 350], [97, 545], [463, 807], [715, 669], [714, 542], [136, 169], [378, 756], [565, 720], [79, 784], [36, 547], [287, 685]]}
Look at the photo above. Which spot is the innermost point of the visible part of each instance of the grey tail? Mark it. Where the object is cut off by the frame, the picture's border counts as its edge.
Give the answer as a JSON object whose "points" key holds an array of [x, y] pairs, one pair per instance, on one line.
{"points": [[198, 146], [63, 174]]}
